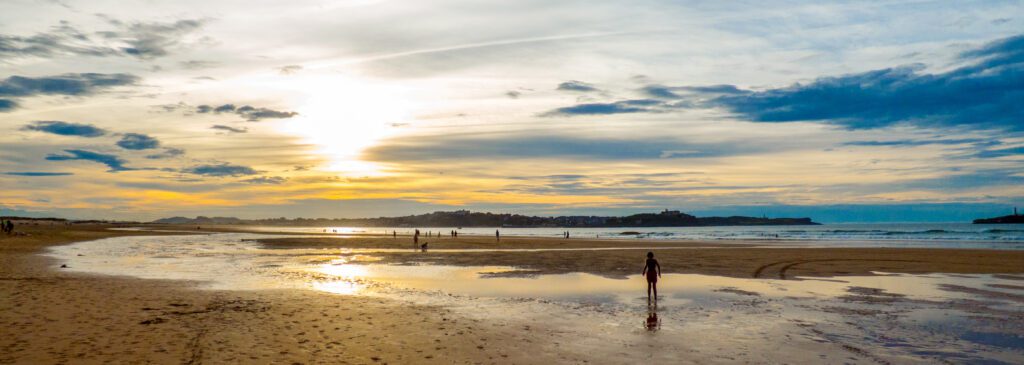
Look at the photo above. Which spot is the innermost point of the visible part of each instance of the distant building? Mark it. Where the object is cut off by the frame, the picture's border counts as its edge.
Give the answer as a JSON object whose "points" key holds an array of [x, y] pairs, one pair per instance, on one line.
{"points": [[671, 213]]}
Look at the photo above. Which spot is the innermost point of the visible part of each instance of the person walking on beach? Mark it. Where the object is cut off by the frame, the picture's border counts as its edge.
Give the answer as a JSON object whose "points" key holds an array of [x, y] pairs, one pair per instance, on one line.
{"points": [[416, 238], [652, 276], [497, 235]]}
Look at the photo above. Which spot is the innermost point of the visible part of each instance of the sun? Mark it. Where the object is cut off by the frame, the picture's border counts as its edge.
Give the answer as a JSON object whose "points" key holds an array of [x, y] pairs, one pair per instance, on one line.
{"points": [[343, 115]]}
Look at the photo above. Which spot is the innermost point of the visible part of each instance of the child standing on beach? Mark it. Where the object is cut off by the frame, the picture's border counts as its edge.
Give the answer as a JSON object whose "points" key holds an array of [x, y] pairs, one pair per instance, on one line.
{"points": [[652, 276]]}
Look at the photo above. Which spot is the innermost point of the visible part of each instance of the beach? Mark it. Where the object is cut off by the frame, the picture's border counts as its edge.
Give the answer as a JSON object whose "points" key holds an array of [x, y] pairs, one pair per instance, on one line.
{"points": [[50, 316], [374, 299]]}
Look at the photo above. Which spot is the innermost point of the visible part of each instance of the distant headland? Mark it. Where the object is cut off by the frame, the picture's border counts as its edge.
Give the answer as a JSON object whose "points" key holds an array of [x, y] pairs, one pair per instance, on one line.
{"points": [[465, 218], [1006, 219]]}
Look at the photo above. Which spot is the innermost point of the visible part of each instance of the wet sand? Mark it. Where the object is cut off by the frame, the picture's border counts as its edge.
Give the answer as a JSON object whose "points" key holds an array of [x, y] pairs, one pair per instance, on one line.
{"points": [[619, 258], [55, 316], [49, 316]]}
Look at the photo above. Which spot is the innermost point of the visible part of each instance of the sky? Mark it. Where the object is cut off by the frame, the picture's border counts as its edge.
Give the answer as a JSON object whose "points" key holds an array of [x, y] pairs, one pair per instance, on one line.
{"points": [[840, 111]]}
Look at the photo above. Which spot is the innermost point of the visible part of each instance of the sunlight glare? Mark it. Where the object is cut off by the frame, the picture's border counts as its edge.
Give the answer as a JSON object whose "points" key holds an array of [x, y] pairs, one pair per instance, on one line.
{"points": [[343, 115]]}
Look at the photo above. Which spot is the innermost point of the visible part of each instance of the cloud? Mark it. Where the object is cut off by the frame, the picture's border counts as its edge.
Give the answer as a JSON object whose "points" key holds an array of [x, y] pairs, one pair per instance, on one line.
{"points": [[513, 94], [151, 40], [198, 64], [62, 39], [112, 161], [143, 40], [542, 146], [921, 142], [219, 170], [573, 85], [679, 92], [997, 153], [983, 94], [137, 141], [67, 84], [66, 128], [267, 180], [169, 152], [38, 174], [229, 129], [255, 114], [250, 113], [289, 69], [73, 84], [619, 107]]}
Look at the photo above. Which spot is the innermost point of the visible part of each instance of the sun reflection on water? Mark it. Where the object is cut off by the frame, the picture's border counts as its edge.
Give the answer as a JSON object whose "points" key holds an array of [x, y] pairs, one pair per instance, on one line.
{"points": [[349, 277]]}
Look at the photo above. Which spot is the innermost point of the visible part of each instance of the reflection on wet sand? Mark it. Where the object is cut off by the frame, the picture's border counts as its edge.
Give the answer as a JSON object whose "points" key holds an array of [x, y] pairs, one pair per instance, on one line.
{"points": [[652, 323], [882, 318]]}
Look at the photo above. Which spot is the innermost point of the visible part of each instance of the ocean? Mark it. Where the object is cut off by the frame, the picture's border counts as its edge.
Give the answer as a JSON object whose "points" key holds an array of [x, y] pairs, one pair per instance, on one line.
{"points": [[949, 235]]}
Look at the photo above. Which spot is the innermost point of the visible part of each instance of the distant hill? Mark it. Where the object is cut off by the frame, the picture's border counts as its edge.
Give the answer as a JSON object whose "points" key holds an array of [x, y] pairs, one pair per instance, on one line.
{"points": [[465, 218], [1008, 219], [200, 220]]}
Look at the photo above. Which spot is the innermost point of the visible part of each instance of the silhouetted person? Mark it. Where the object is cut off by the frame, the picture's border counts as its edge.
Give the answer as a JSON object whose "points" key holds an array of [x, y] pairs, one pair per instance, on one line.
{"points": [[497, 235], [652, 270], [456, 234], [394, 234], [416, 238]]}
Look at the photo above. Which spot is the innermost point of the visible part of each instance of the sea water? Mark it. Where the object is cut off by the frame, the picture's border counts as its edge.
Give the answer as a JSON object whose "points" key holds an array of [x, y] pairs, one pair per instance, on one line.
{"points": [[948, 235]]}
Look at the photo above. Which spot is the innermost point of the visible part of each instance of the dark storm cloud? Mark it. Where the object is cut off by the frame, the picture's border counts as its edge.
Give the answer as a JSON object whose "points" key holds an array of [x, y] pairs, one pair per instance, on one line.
{"points": [[66, 128], [169, 152], [112, 161], [220, 170], [38, 174], [573, 85], [986, 93], [250, 113], [7, 105], [137, 141], [229, 129]]}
